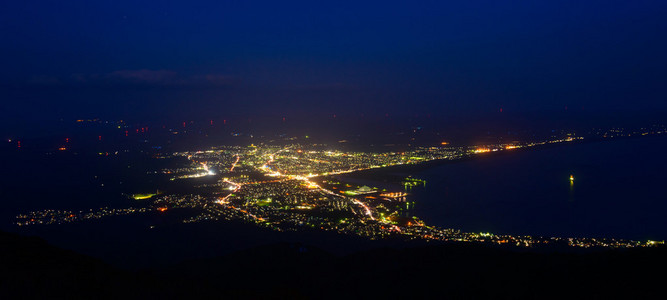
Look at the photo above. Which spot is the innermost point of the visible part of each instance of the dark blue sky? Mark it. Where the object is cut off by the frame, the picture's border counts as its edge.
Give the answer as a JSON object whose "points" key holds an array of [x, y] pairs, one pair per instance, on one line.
{"points": [[169, 59]]}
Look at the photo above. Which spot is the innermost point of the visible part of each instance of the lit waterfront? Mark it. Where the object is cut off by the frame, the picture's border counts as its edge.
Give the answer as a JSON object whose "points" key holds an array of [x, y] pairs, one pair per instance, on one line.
{"points": [[290, 188]]}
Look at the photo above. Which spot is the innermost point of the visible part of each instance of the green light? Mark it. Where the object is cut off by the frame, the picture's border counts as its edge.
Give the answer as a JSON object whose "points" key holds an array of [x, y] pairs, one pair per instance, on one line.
{"points": [[142, 196]]}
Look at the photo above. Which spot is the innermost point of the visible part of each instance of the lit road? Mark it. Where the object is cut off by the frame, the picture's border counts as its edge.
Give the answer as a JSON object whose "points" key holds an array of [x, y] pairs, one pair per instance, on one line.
{"points": [[234, 164]]}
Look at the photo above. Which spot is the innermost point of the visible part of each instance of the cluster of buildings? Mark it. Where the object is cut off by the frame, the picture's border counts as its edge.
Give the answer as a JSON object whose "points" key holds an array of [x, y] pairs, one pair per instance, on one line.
{"points": [[290, 188]]}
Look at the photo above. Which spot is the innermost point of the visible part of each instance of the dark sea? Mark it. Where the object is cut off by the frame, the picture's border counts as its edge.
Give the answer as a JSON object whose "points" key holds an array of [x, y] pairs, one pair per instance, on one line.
{"points": [[619, 190]]}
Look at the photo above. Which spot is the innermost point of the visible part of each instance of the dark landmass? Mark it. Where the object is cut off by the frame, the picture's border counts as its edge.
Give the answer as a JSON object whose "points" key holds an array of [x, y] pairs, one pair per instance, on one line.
{"points": [[34, 269], [351, 132]]}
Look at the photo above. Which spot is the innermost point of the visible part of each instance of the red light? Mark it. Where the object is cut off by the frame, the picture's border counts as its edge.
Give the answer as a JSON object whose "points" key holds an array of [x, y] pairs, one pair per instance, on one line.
{"points": [[66, 140], [19, 144], [99, 137], [183, 124], [224, 122], [211, 122], [126, 132]]}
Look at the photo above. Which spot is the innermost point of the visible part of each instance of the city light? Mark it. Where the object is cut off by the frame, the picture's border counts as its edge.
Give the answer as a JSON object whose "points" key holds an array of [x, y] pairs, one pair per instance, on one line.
{"points": [[271, 186]]}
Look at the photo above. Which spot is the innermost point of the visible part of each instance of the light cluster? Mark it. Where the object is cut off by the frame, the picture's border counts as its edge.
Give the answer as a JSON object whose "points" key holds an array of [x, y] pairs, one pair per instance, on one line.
{"points": [[291, 187]]}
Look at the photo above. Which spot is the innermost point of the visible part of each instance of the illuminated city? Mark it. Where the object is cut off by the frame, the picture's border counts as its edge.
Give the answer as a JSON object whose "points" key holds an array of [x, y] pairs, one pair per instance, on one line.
{"points": [[290, 188], [333, 149]]}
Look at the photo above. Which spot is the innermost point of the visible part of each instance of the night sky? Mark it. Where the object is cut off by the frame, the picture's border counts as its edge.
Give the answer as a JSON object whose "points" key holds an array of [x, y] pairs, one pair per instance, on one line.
{"points": [[190, 59]]}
